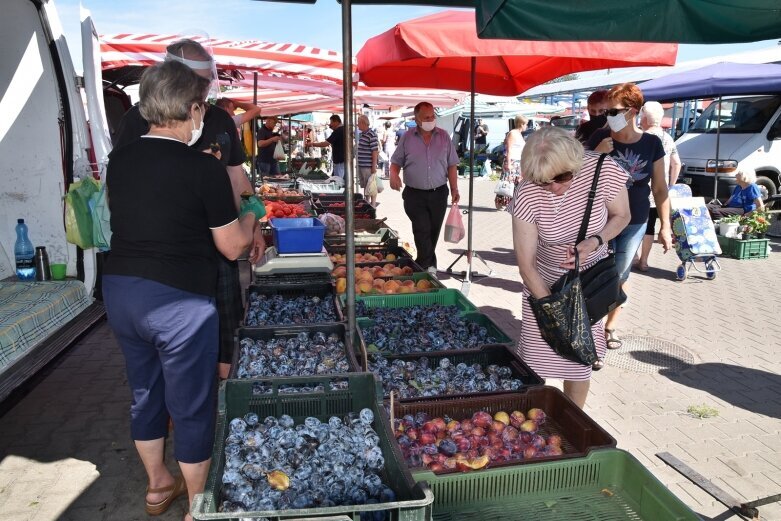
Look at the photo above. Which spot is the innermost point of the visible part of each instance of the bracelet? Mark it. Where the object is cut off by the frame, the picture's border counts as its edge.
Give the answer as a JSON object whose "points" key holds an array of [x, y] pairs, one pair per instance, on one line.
{"points": [[599, 239]]}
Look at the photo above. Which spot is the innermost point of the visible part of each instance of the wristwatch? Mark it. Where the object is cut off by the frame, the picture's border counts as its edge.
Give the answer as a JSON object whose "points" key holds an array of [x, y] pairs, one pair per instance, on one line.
{"points": [[599, 239]]}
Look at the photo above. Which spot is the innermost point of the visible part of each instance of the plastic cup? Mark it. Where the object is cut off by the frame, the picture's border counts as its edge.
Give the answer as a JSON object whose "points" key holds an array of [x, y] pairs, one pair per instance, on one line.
{"points": [[58, 271]]}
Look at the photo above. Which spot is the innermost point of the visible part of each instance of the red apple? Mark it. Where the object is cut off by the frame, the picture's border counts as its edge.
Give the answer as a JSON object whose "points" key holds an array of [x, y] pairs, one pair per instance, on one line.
{"points": [[510, 433], [517, 418]]}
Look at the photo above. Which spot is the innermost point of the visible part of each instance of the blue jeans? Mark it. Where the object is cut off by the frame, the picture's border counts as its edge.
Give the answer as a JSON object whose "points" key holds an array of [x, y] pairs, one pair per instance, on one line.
{"points": [[625, 245], [338, 170], [270, 169]]}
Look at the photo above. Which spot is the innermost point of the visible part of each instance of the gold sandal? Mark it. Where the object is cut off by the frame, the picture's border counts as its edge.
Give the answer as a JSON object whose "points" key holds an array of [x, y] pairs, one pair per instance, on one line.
{"points": [[178, 488]]}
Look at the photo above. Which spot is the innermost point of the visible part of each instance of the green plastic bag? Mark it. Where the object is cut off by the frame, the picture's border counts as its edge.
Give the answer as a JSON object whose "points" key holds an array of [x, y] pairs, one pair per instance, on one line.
{"points": [[78, 216], [101, 219]]}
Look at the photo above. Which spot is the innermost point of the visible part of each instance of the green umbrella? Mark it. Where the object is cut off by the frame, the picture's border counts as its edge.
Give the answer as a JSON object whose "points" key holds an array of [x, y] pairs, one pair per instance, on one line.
{"points": [[682, 21]]}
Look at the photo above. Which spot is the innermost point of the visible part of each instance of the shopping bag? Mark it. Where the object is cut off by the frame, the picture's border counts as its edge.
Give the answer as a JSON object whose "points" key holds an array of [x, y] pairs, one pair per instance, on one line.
{"points": [[279, 152], [78, 217], [101, 219], [454, 225], [380, 184], [505, 188], [371, 186]]}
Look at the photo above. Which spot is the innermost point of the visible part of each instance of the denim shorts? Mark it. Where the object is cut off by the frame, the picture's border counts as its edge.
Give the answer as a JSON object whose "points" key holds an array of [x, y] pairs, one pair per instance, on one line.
{"points": [[626, 245]]}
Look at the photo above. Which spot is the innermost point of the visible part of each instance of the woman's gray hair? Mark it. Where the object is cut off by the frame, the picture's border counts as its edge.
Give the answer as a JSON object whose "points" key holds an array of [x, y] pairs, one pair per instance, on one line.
{"points": [[363, 118], [749, 174], [521, 121], [167, 92], [653, 112], [548, 152]]}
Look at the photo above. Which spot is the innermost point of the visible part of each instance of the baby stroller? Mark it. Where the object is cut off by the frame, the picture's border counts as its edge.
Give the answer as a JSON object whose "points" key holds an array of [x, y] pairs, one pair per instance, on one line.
{"points": [[694, 234]]}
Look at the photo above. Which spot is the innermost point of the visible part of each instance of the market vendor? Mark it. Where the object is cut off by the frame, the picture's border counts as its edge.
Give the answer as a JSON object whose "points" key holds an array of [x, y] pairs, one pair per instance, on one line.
{"points": [[336, 142], [745, 198], [267, 143]]}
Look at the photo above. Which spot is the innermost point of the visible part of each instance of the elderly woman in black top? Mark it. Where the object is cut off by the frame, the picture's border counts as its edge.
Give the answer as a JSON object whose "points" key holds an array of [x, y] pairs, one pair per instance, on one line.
{"points": [[172, 210]]}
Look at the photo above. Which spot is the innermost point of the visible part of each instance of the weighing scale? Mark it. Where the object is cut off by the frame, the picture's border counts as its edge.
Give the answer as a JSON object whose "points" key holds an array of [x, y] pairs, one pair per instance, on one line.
{"points": [[274, 262]]}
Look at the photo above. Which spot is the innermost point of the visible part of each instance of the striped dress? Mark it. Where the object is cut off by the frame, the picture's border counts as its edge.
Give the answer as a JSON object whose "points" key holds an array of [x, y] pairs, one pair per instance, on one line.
{"points": [[558, 220]]}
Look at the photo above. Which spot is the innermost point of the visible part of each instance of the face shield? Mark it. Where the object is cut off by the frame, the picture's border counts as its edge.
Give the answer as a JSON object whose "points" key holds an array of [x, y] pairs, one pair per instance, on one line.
{"points": [[193, 54]]}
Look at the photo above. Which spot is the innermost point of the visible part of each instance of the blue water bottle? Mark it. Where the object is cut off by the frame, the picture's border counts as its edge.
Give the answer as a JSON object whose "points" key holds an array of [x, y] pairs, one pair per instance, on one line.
{"points": [[24, 253]]}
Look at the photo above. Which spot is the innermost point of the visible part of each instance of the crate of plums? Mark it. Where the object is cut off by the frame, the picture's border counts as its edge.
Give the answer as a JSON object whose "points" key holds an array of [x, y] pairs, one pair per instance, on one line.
{"points": [[427, 329], [292, 299], [493, 369], [329, 452], [311, 350], [607, 484], [475, 433]]}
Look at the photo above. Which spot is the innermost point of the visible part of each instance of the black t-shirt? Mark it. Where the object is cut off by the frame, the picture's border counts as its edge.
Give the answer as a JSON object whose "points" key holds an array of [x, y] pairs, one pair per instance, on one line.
{"points": [[164, 197], [218, 127], [337, 144], [637, 159], [266, 154], [587, 128]]}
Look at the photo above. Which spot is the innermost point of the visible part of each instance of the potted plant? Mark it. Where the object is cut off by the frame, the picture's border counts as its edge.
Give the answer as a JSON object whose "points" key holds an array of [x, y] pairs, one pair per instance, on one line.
{"points": [[756, 224], [728, 226]]}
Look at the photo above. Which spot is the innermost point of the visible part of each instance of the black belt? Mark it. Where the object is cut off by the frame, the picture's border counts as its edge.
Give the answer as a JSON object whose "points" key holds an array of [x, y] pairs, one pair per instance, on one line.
{"points": [[428, 189]]}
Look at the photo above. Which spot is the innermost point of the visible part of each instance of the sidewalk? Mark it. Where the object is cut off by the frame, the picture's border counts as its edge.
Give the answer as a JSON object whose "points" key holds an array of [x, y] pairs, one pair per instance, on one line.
{"points": [[65, 452]]}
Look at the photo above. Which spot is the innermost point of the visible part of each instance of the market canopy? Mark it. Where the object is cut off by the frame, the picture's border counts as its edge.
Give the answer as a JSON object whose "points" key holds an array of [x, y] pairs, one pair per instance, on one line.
{"points": [[128, 54], [436, 51], [719, 79], [683, 21]]}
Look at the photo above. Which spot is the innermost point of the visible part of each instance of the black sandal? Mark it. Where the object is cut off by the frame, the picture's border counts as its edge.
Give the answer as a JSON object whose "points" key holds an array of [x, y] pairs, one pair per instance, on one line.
{"points": [[612, 340], [599, 364]]}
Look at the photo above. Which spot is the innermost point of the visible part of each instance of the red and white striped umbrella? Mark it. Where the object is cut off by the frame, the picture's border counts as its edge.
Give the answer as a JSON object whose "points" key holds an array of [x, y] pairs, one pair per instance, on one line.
{"points": [[249, 56]]}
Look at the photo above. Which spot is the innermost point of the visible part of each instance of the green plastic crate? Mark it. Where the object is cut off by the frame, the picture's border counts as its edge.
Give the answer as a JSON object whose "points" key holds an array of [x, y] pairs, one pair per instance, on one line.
{"points": [[414, 500], [607, 485], [446, 297], [744, 249]]}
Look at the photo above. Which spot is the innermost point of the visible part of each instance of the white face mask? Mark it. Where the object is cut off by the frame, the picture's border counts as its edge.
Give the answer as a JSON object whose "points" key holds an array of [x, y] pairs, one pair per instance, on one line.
{"points": [[617, 123], [195, 132], [428, 126]]}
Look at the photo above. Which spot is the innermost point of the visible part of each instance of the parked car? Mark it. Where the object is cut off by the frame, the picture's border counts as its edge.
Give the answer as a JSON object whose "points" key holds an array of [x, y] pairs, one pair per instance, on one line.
{"points": [[568, 123]]}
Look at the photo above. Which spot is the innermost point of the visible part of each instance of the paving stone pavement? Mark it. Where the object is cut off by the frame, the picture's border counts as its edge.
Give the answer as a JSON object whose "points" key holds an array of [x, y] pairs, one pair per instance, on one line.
{"points": [[65, 452]]}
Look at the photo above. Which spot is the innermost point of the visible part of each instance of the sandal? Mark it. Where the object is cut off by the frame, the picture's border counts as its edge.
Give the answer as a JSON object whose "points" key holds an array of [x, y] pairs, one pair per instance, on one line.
{"points": [[599, 364], [613, 342], [178, 488]]}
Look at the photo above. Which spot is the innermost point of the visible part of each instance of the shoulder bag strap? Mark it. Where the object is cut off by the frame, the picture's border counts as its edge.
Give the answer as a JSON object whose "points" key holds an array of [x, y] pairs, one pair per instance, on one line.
{"points": [[591, 194]]}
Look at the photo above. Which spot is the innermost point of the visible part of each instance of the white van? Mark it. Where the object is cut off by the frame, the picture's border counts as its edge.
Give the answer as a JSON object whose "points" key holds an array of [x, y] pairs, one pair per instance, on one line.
{"points": [[749, 134], [45, 144]]}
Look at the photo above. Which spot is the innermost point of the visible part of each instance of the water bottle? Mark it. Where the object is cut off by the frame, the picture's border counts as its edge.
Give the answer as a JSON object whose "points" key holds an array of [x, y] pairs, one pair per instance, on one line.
{"points": [[42, 271], [24, 253]]}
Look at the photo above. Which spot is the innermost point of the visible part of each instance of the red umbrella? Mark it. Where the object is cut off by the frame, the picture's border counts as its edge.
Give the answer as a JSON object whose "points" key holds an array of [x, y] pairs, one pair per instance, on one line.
{"points": [[442, 51], [435, 51]]}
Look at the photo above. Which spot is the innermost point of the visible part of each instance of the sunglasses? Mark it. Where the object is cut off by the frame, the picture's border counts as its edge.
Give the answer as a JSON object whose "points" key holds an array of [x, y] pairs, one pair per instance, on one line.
{"points": [[616, 112], [561, 178]]}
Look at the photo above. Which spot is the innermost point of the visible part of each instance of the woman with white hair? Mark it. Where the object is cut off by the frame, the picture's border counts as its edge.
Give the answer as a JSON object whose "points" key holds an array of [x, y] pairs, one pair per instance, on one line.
{"points": [[745, 198], [651, 122], [548, 207]]}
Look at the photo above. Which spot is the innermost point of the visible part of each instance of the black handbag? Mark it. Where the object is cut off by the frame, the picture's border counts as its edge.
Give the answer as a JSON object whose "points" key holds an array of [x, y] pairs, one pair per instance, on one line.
{"points": [[563, 319], [601, 282]]}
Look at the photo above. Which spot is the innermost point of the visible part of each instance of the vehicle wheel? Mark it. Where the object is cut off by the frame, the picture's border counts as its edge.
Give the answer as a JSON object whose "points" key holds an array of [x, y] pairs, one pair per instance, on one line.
{"points": [[710, 272], [767, 187], [680, 273]]}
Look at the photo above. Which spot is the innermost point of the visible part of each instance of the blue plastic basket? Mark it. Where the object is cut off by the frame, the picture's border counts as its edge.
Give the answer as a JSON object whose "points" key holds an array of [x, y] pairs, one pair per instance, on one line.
{"points": [[298, 235]]}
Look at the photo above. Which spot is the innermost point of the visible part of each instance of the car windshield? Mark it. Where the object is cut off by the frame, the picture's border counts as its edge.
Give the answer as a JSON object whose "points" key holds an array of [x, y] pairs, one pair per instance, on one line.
{"points": [[737, 116]]}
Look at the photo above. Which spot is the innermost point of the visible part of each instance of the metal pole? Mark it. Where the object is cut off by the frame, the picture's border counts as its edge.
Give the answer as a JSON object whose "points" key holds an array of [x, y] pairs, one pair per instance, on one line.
{"points": [[718, 138], [347, 92], [290, 138], [468, 278], [254, 135]]}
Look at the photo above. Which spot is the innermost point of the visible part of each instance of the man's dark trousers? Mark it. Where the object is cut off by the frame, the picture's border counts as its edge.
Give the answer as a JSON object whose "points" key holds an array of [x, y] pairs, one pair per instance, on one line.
{"points": [[426, 210]]}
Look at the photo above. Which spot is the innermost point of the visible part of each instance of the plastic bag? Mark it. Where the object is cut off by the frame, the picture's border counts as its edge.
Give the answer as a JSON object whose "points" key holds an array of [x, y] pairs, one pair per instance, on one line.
{"points": [[454, 225], [279, 152], [371, 186], [78, 216], [334, 224], [101, 219], [380, 184]]}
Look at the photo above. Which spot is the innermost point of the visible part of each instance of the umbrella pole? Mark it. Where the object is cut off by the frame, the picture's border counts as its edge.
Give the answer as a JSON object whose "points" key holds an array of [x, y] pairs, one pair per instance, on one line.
{"points": [[468, 279], [718, 139], [253, 165], [349, 228]]}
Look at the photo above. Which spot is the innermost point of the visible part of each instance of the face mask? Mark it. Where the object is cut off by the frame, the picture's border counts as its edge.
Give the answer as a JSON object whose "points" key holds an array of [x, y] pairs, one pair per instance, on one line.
{"points": [[600, 120], [428, 126], [195, 133], [617, 123]]}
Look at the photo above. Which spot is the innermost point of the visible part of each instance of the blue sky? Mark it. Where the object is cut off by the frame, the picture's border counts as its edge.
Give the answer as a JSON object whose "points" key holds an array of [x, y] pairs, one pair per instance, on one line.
{"points": [[318, 25]]}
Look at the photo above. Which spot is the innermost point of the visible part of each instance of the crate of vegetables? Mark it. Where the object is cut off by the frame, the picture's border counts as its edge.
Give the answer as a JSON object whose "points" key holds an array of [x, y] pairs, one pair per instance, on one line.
{"points": [[282, 210], [275, 301], [310, 350], [428, 329], [448, 435], [368, 253], [493, 369], [321, 199], [294, 455], [607, 484], [269, 192]]}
